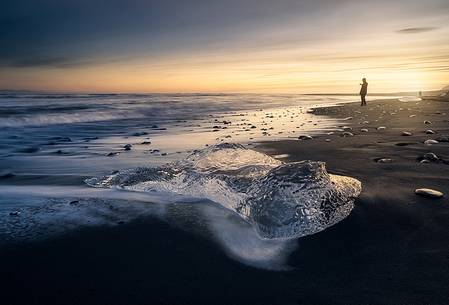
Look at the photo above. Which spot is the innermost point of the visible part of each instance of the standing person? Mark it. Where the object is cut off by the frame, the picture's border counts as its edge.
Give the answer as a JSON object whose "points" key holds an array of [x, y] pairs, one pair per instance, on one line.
{"points": [[363, 91]]}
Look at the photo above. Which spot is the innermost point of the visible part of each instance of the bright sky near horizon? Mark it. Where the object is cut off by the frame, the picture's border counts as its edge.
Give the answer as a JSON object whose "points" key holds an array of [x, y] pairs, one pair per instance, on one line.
{"points": [[282, 46]]}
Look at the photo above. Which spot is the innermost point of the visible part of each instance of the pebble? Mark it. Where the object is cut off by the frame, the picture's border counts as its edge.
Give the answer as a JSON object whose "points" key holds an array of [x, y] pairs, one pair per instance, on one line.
{"points": [[381, 128], [328, 140], [14, 213], [112, 154], [429, 131], [305, 137], [429, 193], [427, 122], [127, 147], [406, 134], [431, 157], [364, 130], [347, 134], [385, 160], [430, 142]]}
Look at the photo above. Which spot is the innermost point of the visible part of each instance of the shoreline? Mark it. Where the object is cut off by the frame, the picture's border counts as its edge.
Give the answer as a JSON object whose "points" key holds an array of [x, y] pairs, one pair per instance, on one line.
{"points": [[391, 249]]}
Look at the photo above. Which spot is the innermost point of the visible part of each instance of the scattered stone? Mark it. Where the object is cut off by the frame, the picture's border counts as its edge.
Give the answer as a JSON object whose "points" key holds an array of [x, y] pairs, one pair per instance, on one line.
{"points": [[431, 157], [430, 142], [384, 160], [112, 154], [429, 131], [346, 128], [146, 143], [424, 161], [328, 140], [74, 202], [427, 122], [381, 128], [406, 134], [348, 118], [14, 213], [364, 130], [412, 115], [127, 147], [429, 193], [305, 137], [347, 134]]}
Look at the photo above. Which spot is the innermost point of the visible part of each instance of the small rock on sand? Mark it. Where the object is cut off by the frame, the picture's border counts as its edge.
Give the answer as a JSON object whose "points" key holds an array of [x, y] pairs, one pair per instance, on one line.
{"points": [[429, 131], [364, 130], [431, 157], [347, 134], [384, 160], [429, 193], [381, 128], [305, 137], [427, 122], [406, 134], [430, 142]]}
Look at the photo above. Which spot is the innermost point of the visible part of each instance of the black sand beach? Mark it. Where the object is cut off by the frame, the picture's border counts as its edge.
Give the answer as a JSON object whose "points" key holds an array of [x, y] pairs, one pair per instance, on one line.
{"points": [[392, 249]]}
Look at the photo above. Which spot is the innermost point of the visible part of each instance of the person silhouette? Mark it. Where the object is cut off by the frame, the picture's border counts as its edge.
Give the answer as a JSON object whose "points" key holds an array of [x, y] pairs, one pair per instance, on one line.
{"points": [[363, 91]]}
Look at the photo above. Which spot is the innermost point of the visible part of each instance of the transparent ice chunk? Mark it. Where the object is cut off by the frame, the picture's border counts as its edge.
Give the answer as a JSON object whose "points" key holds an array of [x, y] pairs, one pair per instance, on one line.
{"points": [[280, 200]]}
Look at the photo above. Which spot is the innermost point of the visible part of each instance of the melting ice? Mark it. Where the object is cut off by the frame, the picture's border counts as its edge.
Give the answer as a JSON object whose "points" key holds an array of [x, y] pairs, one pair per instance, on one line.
{"points": [[280, 200]]}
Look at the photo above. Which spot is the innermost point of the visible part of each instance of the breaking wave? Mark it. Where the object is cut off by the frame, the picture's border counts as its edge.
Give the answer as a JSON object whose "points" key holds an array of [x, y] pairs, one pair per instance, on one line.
{"points": [[280, 200]]}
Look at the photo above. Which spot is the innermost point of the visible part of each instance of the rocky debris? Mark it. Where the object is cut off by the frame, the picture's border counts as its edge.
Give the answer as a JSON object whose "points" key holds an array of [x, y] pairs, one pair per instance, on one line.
{"points": [[429, 131], [112, 154], [381, 128], [305, 137], [364, 130], [430, 142], [74, 202], [384, 160], [427, 122], [328, 140], [127, 147], [406, 134], [14, 213], [429, 193], [347, 134], [431, 157], [346, 128], [146, 143]]}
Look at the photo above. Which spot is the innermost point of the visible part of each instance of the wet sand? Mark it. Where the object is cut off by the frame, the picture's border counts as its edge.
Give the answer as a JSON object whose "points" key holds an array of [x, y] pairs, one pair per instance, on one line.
{"points": [[392, 249]]}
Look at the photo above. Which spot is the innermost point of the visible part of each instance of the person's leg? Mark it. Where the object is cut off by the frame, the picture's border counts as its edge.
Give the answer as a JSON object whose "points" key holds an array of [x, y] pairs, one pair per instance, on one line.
{"points": [[363, 100]]}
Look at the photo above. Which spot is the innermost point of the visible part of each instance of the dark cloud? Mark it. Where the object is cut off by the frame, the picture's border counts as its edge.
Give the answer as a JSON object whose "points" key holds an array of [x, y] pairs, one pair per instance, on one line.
{"points": [[416, 30]]}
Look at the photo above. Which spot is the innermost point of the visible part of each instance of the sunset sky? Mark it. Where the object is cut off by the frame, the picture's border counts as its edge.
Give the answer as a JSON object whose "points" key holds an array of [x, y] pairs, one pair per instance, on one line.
{"points": [[309, 46]]}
